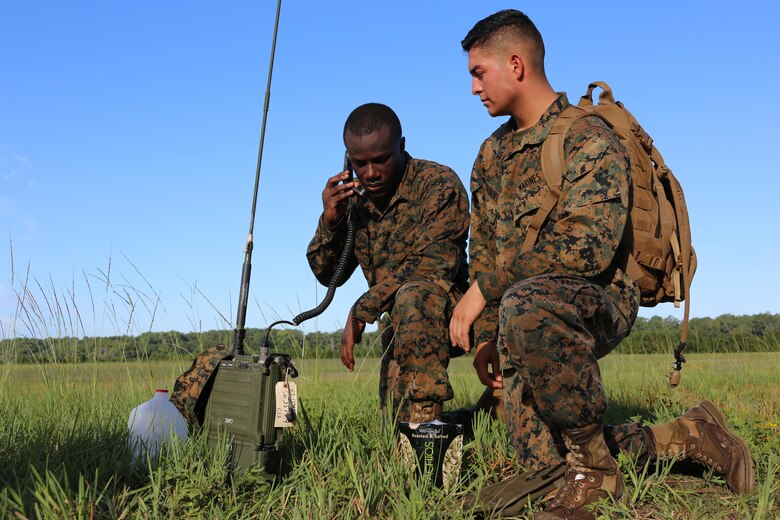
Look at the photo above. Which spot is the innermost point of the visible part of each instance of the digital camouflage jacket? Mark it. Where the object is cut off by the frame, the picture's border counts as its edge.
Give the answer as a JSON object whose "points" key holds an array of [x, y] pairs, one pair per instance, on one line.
{"points": [[583, 233], [421, 236]]}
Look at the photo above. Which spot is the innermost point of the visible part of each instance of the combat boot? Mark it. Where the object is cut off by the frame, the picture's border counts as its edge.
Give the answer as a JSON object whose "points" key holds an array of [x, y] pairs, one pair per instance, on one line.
{"points": [[701, 435], [592, 474], [419, 411]]}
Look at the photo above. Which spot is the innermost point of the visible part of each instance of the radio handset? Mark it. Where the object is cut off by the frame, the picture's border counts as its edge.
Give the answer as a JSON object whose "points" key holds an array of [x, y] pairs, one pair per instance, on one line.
{"points": [[343, 270], [359, 190]]}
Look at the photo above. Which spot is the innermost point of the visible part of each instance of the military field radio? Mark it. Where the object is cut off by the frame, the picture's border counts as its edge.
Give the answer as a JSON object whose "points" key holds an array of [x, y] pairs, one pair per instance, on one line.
{"points": [[250, 398], [242, 401]]}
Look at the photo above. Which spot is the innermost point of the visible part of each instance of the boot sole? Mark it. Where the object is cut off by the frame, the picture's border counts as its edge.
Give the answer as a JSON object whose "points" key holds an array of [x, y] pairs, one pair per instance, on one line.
{"points": [[747, 469]]}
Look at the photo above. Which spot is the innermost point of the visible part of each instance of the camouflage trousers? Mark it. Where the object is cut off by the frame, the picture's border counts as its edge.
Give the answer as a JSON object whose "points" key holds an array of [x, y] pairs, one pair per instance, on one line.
{"points": [[552, 331], [416, 345]]}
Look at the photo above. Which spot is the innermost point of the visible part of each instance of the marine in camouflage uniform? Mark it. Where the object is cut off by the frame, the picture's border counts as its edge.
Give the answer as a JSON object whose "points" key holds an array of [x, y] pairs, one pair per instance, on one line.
{"points": [[410, 243], [560, 307], [548, 314]]}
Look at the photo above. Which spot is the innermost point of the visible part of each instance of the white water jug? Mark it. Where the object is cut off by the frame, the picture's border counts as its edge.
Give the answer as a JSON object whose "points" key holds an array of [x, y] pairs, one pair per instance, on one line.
{"points": [[154, 423]]}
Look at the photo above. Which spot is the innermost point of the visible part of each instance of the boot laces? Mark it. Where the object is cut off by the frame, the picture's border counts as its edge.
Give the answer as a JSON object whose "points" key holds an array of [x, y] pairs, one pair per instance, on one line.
{"points": [[572, 489], [573, 481], [575, 458]]}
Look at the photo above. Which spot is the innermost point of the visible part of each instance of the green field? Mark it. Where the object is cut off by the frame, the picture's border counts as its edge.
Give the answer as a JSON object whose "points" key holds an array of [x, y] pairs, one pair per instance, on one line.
{"points": [[63, 450]]}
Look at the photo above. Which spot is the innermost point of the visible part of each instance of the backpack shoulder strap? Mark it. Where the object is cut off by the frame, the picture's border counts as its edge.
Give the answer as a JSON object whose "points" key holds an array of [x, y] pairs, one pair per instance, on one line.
{"points": [[553, 166]]}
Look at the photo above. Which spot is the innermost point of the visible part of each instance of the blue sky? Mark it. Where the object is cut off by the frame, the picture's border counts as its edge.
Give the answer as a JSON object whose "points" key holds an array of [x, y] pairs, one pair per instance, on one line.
{"points": [[129, 133]]}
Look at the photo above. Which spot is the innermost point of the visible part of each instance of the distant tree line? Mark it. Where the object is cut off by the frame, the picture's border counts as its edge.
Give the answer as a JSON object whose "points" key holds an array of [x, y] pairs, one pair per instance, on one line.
{"points": [[727, 333], [173, 344]]}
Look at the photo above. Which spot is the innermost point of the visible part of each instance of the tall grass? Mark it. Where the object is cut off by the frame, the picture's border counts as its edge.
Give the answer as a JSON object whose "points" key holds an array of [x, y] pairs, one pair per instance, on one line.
{"points": [[64, 450], [63, 447]]}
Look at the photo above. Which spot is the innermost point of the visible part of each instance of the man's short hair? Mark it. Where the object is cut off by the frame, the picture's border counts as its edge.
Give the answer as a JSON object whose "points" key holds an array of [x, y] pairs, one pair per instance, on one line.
{"points": [[369, 118], [502, 30]]}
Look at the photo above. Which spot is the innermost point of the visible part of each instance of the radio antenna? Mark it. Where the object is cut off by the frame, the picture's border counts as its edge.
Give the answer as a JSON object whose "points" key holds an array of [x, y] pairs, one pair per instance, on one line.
{"points": [[243, 296]]}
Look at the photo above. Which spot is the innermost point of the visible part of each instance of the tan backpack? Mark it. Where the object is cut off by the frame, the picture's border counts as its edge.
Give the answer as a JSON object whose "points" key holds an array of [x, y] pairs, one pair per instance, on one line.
{"points": [[658, 234]]}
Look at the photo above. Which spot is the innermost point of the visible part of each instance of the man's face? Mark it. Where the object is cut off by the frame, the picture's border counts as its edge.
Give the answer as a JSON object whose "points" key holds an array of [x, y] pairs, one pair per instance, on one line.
{"points": [[378, 161], [493, 80]]}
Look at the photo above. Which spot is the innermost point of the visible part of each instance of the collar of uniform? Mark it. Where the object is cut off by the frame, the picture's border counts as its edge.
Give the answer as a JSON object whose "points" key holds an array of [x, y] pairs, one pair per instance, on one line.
{"points": [[538, 132], [402, 192]]}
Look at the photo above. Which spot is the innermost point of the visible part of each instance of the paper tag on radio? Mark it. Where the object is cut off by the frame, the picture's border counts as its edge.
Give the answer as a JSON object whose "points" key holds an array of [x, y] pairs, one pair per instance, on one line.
{"points": [[286, 404]]}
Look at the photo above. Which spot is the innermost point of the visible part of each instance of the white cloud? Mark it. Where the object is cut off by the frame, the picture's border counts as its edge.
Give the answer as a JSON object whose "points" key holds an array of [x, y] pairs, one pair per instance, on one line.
{"points": [[18, 166], [21, 159]]}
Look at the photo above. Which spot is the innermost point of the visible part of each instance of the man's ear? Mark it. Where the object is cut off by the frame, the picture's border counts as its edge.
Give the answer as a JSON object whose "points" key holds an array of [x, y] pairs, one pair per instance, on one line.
{"points": [[402, 144], [517, 64]]}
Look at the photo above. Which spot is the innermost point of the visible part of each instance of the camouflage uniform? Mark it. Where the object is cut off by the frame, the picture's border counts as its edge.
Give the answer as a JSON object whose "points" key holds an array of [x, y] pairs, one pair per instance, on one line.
{"points": [[558, 308], [414, 259]]}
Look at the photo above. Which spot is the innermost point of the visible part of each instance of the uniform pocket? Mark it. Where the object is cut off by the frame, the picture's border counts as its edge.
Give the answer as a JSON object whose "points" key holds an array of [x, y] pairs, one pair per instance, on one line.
{"points": [[401, 233], [528, 201], [524, 211]]}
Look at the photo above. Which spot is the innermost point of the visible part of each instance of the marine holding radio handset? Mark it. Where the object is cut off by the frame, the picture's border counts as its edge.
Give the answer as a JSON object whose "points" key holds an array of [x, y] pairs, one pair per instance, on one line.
{"points": [[336, 202], [340, 189]]}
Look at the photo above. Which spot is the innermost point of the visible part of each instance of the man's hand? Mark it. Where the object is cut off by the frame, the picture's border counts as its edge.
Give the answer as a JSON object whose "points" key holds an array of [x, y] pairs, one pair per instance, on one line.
{"points": [[487, 355], [335, 198], [353, 332], [466, 312]]}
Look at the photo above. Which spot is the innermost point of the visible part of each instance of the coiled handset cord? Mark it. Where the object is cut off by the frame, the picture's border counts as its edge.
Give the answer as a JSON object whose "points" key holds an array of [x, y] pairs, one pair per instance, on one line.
{"points": [[349, 244], [341, 268]]}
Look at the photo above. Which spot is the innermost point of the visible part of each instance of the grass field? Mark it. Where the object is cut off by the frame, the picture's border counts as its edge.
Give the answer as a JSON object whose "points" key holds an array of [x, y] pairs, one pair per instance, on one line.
{"points": [[63, 446]]}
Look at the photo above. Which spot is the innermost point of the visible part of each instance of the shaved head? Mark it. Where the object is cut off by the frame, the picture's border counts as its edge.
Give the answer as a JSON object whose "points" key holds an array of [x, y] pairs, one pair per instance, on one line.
{"points": [[508, 32], [367, 119]]}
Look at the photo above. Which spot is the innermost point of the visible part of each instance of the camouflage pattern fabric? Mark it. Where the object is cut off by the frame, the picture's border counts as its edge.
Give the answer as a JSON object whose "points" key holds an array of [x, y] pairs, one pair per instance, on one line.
{"points": [[553, 328], [413, 256], [189, 386], [421, 236], [388, 371], [583, 232], [557, 309], [415, 359]]}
